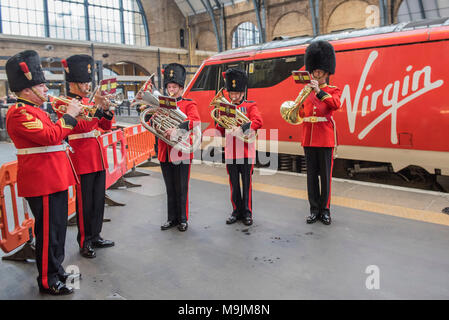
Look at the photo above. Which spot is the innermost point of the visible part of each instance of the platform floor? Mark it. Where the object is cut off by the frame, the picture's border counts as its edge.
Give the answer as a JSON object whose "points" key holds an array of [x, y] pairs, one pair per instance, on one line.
{"points": [[400, 231]]}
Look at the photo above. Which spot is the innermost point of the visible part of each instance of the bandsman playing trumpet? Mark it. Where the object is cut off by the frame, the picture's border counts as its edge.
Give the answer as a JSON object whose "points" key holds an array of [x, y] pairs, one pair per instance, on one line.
{"points": [[239, 154], [175, 165], [87, 157], [319, 131], [44, 170]]}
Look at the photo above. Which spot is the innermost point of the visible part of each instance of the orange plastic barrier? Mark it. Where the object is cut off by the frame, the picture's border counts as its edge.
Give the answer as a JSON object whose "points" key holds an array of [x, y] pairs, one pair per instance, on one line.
{"points": [[112, 139], [22, 232], [140, 145]]}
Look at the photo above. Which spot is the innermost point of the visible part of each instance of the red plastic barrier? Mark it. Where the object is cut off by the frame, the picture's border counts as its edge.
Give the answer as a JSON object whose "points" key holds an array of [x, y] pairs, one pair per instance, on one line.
{"points": [[112, 139], [21, 233], [140, 145], [72, 201]]}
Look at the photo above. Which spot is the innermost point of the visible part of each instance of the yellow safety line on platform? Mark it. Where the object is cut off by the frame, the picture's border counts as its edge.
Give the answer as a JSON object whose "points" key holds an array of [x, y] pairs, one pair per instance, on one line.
{"points": [[369, 206]]}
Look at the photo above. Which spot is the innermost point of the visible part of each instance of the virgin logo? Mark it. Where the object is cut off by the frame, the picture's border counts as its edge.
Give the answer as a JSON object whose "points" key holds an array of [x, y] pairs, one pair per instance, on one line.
{"points": [[394, 96]]}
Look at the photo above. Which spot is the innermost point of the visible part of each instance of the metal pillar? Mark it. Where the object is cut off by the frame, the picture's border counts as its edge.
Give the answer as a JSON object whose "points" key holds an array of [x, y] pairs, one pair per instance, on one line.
{"points": [[314, 9], [259, 21], [208, 7]]}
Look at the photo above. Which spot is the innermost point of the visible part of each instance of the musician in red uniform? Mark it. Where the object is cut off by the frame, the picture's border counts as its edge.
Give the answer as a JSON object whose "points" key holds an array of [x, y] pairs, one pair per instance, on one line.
{"points": [[240, 155], [44, 168], [88, 157], [319, 130], [175, 165]]}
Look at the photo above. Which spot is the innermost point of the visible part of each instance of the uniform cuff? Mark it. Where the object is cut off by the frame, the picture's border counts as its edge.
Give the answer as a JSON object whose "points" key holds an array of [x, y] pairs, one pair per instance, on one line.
{"points": [[184, 125], [99, 113], [245, 127], [69, 121], [323, 95], [108, 115]]}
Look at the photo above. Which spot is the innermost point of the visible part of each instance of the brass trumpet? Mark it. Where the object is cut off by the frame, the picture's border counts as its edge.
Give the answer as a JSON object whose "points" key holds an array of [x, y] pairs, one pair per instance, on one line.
{"points": [[115, 100], [87, 113], [229, 122]]}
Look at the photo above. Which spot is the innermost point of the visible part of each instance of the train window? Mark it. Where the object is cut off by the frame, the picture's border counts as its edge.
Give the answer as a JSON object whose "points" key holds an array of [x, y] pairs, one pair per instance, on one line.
{"points": [[236, 65], [207, 79], [269, 72]]}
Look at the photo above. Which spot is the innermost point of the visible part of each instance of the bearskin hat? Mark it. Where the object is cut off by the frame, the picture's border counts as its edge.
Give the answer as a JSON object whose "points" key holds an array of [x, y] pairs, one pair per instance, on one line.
{"points": [[174, 72], [236, 80], [320, 54], [24, 70], [78, 68]]}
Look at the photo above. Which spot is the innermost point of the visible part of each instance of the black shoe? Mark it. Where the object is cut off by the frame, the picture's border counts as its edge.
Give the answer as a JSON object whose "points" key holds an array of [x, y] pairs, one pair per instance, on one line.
{"points": [[313, 217], [183, 226], [102, 243], [63, 277], [58, 289], [168, 225], [247, 221], [326, 218], [88, 252], [231, 219]]}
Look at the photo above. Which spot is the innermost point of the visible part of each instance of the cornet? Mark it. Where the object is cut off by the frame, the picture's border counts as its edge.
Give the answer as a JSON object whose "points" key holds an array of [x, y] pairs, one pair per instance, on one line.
{"points": [[229, 122], [87, 113], [115, 99]]}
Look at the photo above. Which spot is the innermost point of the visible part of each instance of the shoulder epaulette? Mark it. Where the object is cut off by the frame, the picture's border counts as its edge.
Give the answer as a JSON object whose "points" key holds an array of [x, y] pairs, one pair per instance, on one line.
{"points": [[331, 86]]}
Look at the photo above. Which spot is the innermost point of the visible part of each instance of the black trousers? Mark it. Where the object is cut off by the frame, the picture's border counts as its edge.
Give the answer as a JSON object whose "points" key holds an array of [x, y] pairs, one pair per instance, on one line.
{"points": [[241, 197], [319, 161], [50, 225], [90, 206], [176, 178]]}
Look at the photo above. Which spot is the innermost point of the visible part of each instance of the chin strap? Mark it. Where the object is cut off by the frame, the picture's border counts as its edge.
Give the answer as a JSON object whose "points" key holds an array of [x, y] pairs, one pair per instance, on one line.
{"points": [[40, 96]]}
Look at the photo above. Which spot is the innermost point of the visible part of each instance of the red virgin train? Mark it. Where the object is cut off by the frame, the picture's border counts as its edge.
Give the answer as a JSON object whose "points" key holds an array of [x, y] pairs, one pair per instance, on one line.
{"points": [[394, 81]]}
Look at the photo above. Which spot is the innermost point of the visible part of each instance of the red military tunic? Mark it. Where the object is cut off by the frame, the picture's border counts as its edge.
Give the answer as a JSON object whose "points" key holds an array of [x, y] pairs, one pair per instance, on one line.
{"points": [[189, 108], [40, 174], [322, 106], [88, 154], [236, 148]]}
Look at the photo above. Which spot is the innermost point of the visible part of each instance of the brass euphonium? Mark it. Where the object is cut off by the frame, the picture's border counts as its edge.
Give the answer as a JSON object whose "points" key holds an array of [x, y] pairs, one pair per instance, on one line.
{"points": [[290, 109], [229, 122], [161, 119], [87, 113]]}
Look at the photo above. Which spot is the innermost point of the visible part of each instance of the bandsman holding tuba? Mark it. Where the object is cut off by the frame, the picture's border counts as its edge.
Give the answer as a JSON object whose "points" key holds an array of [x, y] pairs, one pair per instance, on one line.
{"points": [[44, 170], [240, 154], [175, 164], [87, 157], [319, 131]]}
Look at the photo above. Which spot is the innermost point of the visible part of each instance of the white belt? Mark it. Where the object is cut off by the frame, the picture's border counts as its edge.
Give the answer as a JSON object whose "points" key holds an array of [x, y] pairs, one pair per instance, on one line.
{"points": [[45, 149], [91, 134], [315, 119]]}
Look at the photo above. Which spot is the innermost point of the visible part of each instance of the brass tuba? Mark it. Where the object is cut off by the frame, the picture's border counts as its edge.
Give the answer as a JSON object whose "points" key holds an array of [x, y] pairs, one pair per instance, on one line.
{"points": [[162, 119], [290, 109], [228, 122]]}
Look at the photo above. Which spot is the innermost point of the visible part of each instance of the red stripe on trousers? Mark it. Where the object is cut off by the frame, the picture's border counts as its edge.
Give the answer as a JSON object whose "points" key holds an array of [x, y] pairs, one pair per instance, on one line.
{"points": [[187, 201], [250, 190], [79, 197], [45, 238], [330, 181], [234, 207]]}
